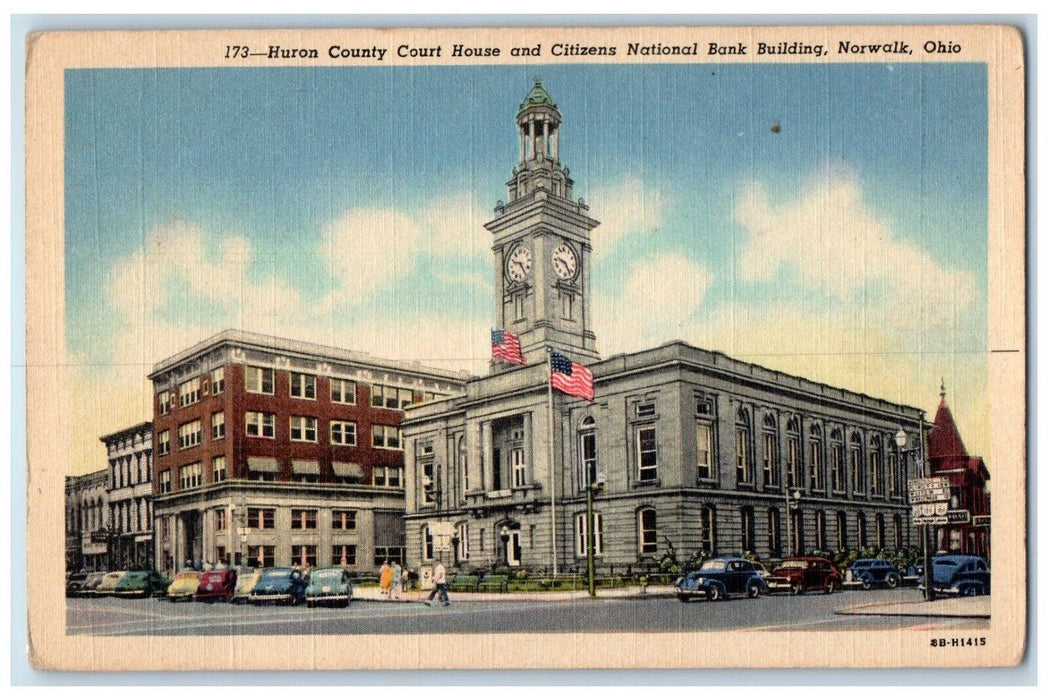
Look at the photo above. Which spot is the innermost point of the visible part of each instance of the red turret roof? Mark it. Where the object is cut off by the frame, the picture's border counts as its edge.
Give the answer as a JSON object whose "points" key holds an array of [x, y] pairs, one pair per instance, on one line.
{"points": [[944, 440]]}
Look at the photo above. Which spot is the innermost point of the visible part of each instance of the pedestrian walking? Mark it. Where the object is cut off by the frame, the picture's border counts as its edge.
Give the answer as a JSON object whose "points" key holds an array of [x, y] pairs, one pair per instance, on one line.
{"points": [[440, 585], [397, 574], [385, 578]]}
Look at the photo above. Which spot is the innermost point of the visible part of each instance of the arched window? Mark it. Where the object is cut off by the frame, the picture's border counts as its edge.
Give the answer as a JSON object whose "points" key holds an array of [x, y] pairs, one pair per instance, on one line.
{"points": [[709, 529], [770, 456], [820, 530], [797, 532], [793, 452], [743, 453], [842, 531], [427, 544], [881, 536], [587, 473], [647, 531], [863, 535], [876, 467], [747, 529], [856, 464], [774, 532], [837, 460], [816, 479]]}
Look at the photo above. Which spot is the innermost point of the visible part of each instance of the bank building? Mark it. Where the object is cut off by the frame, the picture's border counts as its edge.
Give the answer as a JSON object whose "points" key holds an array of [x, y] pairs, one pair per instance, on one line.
{"points": [[684, 448]]}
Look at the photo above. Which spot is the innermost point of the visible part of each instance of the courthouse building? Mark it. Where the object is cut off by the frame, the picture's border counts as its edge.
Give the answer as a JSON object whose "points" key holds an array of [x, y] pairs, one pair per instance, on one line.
{"points": [[270, 451], [130, 490], [696, 450]]}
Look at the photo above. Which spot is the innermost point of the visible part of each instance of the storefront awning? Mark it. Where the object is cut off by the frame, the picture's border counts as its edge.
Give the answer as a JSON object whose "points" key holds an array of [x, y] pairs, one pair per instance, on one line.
{"points": [[305, 466], [263, 464], [348, 469]]}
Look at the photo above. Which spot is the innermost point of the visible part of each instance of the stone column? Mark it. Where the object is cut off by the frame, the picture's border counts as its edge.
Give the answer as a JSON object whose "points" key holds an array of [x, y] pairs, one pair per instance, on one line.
{"points": [[556, 145], [488, 474], [545, 136], [530, 478], [523, 143]]}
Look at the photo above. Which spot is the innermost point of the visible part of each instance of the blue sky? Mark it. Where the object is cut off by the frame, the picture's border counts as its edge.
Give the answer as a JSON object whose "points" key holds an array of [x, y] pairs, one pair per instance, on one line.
{"points": [[200, 199]]}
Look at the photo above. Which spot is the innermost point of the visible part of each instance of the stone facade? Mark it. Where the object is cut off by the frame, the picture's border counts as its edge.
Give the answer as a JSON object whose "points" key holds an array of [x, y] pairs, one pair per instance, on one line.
{"points": [[87, 521], [130, 486]]}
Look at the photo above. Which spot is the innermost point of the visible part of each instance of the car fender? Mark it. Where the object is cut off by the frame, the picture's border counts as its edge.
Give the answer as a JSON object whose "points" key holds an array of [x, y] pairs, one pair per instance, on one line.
{"points": [[759, 580]]}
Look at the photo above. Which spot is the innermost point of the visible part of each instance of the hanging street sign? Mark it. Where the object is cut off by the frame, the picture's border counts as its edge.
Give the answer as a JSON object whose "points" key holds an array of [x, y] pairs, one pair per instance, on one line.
{"points": [[958, 517], [929, 490], [980, 521]]}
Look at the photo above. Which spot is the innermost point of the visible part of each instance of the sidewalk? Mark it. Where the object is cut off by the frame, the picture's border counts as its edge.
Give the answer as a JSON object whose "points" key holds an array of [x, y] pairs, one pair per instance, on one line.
{"points": [[373, 593], [976, 607]]}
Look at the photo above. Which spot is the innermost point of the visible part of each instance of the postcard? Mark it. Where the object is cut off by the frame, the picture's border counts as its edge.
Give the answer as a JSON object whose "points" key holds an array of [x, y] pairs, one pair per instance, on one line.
{"points": [[636, 347]]}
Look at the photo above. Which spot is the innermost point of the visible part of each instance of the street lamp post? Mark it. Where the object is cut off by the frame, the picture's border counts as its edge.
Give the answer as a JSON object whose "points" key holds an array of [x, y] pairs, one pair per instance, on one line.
{"points": [[900, 441], [504, 536], [592, 489], [793, 497]]}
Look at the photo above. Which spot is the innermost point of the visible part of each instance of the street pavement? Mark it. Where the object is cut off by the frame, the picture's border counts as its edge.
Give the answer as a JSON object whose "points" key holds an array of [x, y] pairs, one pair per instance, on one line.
{"points": [[654, 610]]}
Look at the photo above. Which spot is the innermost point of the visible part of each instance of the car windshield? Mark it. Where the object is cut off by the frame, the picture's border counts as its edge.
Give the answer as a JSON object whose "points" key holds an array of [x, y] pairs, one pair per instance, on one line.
{"points": [[185, 576], [327, 575], [276, 574], [713, 565], [793, 564], [211, 577]]}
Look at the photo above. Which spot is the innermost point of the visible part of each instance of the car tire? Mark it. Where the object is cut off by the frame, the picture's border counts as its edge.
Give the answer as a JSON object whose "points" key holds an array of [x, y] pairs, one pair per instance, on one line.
{"points": [[714, 594], [796, 589], [753, 591], [683, 598], [892, 580], [971, 590], [310, 604], [831, 586], [867, 583]]}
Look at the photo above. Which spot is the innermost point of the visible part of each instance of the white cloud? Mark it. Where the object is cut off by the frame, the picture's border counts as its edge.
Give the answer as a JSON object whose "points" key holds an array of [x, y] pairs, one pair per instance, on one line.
{"points": [[623, 208], [453, 225], [838, 246]]}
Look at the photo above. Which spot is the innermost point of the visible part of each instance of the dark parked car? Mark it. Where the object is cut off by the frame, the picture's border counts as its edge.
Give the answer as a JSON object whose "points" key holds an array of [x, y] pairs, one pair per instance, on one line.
{"points": [[75, 583], [801, 574], [329, 586], [720, 578], [960, 574], [142, 583], [89, 586], [875, 572], [279, 585], [217, 585]]}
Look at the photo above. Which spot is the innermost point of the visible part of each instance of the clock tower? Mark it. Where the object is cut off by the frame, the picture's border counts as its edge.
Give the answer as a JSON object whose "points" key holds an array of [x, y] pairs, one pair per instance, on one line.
{"points": [[542, 244]]}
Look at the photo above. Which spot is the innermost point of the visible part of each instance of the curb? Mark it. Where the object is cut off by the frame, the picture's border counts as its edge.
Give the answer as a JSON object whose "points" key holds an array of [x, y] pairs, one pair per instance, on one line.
{"points": [[893, 610]]}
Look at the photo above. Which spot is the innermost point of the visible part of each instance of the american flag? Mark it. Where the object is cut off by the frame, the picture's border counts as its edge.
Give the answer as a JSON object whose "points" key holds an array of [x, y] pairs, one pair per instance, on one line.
{"points": [[506, 347], [570, 377]]}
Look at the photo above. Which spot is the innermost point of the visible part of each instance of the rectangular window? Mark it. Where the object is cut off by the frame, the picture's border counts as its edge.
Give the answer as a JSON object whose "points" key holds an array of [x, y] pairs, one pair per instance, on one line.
{"points": [[344, 555], [893, 475], [743, 460], [163, 402], [646, 410], [704, 451], [258, 380], [302, 519], [647, 455], [567, 302], [303, 429], [218, 381], [649, 543], [303, 386], [383, 554], [747, 529], [429, 486], [774, 528], [163, 442], [190, 434], [581, 544], [385, 437], [857, 476], [260, 424], [343, 520], [815, 464], [218, 468], [837, 466], [877, 485], [383, 396], [343, 433], [343, 391], [218, 425], [519, 470], [518, 306], [189, 392], [165, 481], [588, 455], [261, 518], [771, 459], [220, 519], [190, 476], [261, 556], [709, 530]]}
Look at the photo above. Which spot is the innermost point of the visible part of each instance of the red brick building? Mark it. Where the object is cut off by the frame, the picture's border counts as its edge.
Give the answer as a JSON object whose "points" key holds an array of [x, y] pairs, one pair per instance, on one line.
{"points": [[969, 487], [272, 451]]}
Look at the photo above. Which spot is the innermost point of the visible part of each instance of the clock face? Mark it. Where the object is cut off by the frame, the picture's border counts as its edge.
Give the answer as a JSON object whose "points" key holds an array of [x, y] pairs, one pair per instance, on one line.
{"points": [[565, 264], [518, 264]]}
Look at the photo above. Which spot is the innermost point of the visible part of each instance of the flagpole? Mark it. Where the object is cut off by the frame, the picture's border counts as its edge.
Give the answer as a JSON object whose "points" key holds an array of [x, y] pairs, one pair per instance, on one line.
{"points": [[552, 452]]}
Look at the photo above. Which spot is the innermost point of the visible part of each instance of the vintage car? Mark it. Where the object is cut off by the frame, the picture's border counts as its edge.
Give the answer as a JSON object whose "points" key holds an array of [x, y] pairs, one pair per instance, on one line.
{"points": [[875, 572], [75, 584], [960, 574], [280, 584], [184, 586], [108, 584], [720, 578], [217, 585], [329, 586], [142, 583], [801, 574], [89, 586], [245, 583]]}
